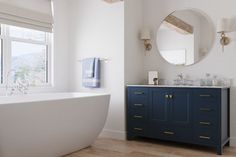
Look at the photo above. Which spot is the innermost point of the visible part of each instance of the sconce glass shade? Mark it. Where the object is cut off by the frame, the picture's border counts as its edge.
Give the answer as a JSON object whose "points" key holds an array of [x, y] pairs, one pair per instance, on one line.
{"points": [[145, 34], [223, 25]]}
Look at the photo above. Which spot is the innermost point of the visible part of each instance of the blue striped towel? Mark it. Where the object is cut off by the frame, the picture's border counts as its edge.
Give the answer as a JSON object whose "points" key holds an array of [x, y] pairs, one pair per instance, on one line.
{"points": [[91, 72]]}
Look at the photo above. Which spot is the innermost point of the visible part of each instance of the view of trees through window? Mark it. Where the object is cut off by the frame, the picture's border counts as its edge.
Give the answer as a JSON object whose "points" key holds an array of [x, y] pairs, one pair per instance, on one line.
{"points": [[29, 62], [27, 55], [1, 80]]}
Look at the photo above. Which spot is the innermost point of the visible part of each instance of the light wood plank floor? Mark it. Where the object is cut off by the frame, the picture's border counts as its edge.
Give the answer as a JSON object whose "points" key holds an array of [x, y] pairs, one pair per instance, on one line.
{"points": [[147, 148]]}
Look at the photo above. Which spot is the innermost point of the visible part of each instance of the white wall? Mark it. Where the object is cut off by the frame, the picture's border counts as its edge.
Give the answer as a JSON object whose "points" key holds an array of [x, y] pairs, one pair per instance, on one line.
{"points": [[61, 52], [215, 63], [134, 67], [97, 30]]}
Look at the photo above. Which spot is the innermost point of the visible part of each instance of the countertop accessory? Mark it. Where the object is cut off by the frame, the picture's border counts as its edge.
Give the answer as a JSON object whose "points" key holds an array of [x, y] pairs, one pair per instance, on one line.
{"points": [[153, 78]]}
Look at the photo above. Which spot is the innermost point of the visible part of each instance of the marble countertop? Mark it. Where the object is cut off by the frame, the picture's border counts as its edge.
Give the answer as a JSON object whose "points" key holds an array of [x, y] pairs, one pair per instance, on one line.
{"points": [[178, 86]]}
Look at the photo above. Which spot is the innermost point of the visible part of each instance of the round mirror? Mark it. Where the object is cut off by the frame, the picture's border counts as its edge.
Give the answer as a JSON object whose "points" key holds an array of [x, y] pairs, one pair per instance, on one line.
{"points": [[185, 37]]}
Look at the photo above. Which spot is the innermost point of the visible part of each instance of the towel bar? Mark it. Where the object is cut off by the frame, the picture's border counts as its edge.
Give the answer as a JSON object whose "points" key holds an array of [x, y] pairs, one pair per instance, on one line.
{"points": [[101, 59]]}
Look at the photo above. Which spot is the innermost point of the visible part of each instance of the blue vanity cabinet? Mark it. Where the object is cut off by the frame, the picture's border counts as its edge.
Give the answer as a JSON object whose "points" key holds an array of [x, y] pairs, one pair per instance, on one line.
{"points": [[137, 112], [211, 117], [169, 113], [190, 115]]}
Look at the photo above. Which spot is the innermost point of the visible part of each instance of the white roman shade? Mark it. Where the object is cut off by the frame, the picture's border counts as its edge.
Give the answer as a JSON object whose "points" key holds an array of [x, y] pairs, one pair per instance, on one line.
{"points": [[33, 14]]}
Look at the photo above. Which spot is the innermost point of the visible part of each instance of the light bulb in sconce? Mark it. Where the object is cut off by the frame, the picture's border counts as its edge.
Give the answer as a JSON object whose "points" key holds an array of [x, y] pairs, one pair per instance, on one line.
{"points": [[145, 35], [223, 27]]}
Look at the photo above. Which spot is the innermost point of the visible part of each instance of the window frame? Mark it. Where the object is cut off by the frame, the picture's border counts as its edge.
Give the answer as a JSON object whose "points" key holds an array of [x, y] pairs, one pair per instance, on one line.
{"points": [[7, 55], [2, 59]]}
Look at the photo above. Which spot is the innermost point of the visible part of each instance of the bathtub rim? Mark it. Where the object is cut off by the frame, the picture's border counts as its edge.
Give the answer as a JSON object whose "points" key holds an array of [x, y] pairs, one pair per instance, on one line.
{"points": [[87, 95]]}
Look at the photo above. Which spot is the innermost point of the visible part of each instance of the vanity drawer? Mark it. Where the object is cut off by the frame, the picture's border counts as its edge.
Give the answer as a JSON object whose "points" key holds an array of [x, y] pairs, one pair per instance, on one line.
{"points": [[138, 129], [206, 110], [206, 96], [206, 122], [138, 92], [138, 102], [172, 133], [206, 136], [137, 115]]}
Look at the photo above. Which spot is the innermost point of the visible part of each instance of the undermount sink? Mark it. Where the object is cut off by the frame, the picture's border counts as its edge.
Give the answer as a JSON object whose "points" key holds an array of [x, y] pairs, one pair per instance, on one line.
{"points": [[183, 82]]}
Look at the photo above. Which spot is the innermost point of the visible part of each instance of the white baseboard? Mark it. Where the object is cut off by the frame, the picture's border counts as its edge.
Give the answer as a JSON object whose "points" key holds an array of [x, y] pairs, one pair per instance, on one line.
{"points": [[233, 141], [120, 135]]}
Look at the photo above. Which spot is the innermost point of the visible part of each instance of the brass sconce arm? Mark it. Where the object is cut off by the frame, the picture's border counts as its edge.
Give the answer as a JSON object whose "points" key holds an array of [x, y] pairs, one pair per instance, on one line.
{"points": [[224, 26], [147, 44], [145, 35]]}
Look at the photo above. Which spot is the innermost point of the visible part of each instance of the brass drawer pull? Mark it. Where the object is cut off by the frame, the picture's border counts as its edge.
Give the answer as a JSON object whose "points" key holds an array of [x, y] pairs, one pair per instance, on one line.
{"points": [[138, 117], [205, 137], [138, 105], [168, 133], [138, 93], [206, 109], [138, 129], [205, 95], [205, 123]]}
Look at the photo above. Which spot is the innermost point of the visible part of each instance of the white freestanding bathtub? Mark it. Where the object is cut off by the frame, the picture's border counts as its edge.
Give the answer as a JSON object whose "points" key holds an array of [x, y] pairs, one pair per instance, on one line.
{"points": [[50, 125]]}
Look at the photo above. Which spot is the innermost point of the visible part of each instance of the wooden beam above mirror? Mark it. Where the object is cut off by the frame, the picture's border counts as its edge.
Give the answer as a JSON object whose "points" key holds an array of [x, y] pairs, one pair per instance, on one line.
{"points": [[178, 25]]}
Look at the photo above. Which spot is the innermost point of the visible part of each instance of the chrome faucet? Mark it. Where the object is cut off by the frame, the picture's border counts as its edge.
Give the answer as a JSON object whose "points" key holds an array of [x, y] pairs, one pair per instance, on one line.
{"points": [[180, 76]]}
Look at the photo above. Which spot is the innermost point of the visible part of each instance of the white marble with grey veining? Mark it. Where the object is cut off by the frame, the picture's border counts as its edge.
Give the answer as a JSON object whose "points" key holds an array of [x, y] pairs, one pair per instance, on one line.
{"points": [[179, 86]]}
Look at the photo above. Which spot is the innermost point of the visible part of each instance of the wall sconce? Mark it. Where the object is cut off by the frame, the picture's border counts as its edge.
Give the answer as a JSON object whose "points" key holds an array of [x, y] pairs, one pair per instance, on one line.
{"points": [[145, 35], [223, 26]]}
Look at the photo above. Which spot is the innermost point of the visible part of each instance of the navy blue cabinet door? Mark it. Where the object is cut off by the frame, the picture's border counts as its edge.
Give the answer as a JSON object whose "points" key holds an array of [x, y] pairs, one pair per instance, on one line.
{"points": [[159, 106], [180, 107], [170, 106]]}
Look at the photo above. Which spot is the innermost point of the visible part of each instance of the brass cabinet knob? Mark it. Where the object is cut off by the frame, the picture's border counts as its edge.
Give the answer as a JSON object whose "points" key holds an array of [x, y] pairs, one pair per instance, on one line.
{"points": [[167, 96], [171, 96]]}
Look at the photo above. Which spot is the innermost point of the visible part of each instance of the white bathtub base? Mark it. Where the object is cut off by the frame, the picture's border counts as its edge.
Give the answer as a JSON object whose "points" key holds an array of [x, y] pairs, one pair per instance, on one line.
{"points": [[51, 128]]}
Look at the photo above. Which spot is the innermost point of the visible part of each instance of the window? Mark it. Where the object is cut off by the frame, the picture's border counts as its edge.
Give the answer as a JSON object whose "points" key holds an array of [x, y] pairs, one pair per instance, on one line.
{"points": [[1, 62], [26, 55], [1, 57]]}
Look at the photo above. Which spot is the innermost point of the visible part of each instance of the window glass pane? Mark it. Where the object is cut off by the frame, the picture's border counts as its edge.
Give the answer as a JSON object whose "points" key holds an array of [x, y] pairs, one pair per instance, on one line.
{"points": [[1, 71], [29, 62], [25, 33]]}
